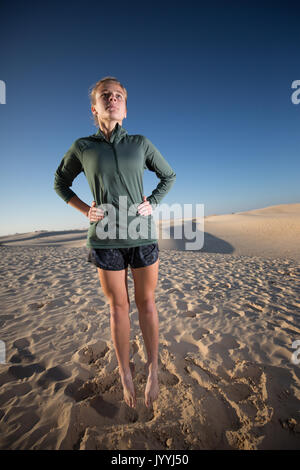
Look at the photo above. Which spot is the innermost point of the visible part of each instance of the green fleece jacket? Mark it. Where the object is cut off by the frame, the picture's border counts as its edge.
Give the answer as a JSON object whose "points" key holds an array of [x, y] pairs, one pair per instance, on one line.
{"points": [[115, 168]]}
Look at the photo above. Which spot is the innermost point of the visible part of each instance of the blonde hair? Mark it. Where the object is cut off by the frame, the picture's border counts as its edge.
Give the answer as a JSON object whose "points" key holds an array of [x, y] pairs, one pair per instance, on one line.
{"points": [[94, 88]]}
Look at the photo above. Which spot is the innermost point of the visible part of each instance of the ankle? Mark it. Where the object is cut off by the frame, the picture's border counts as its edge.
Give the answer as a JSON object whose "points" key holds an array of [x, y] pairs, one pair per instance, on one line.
{"points": [[124, 371], [152, 367]]}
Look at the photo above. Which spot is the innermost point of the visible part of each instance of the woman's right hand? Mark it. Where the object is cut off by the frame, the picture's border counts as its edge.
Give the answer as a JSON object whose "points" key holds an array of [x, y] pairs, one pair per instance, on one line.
{"points": [[95, 213]]}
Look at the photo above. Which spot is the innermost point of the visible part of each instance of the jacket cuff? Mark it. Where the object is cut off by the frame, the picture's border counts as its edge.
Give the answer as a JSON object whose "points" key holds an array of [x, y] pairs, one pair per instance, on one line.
{"points": [[152, 201]]}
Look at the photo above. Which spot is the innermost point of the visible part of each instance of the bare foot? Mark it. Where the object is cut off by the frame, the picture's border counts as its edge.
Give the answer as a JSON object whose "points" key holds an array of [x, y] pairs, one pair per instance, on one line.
{"points": [[128, 387], [152, 388]]}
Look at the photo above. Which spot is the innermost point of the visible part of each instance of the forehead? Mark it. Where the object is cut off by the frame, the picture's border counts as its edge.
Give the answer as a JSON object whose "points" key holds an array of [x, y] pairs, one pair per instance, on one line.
{"points": [[109, 87]]}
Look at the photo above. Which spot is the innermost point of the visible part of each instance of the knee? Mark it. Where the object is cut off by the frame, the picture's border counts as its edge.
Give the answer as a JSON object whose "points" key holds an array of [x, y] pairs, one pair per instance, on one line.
{"points": [[119, 309], [146, 306]]}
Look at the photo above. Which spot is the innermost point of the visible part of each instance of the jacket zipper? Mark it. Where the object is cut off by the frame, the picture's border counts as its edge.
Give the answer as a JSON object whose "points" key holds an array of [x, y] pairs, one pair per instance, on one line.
{"points": [[118, 171]]}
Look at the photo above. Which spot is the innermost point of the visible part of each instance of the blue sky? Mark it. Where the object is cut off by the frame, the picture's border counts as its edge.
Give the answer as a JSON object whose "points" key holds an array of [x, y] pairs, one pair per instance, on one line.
{"points": [[208, 83]]}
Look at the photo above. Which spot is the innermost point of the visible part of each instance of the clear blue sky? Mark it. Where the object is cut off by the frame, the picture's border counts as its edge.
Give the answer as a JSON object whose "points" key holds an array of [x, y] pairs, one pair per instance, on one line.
{"points": [[210, 86]]}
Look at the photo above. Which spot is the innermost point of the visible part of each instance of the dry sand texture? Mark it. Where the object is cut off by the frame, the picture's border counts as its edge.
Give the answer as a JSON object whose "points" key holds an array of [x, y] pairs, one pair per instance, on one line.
{"points": [[228, 314]]}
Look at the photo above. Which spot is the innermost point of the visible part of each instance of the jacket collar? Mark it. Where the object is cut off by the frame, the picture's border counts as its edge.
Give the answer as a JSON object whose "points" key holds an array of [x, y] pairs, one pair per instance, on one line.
{"points": [[117, 133]]}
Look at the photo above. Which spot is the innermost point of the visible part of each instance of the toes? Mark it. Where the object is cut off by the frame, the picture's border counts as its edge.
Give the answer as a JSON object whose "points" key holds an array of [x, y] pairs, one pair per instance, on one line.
{"points": [[132, 403]]}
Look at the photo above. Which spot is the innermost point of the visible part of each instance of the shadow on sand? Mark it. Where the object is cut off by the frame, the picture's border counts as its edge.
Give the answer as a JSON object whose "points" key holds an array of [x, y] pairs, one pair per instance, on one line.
{"points": [[211, 243]]}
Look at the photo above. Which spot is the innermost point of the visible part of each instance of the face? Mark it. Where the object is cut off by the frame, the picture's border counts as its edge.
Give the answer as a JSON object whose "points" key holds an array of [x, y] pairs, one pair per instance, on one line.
{"points": [[110, 102]]}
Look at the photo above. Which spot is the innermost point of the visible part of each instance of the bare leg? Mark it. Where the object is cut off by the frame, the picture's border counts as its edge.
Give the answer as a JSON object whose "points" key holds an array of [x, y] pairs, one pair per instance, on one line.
{"points": [[145, 281], [115, 288]]}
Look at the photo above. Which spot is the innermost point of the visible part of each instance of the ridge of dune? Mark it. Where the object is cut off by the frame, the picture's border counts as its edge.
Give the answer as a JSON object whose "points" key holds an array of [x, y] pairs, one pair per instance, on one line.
{"points": [[293, 208]]}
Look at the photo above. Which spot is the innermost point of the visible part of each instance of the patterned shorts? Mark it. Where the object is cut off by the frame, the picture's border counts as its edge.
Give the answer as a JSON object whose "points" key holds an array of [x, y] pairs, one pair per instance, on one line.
{"points": [[115, 259]]}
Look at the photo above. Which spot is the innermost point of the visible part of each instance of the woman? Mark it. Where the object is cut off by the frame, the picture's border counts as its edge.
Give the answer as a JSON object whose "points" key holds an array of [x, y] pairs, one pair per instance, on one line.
{"points": [[113, 162]]}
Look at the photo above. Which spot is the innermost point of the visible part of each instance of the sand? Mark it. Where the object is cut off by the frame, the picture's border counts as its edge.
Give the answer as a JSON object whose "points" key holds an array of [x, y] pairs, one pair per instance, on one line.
{"points": [[228, 315]]}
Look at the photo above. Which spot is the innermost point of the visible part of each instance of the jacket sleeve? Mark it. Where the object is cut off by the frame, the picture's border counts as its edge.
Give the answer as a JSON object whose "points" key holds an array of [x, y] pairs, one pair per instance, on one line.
{"points": [[154, 161], [69, 168]]}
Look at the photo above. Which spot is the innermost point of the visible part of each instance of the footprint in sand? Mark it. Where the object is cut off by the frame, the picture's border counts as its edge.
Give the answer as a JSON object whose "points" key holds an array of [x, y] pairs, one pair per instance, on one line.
{"points": [[200, 333], [23, 354], [92, 352], [53, 375], [248, 370], [237, 391], [92, 393], [104, 394], [199, 371], [22, 372], [166, 375], [36, 305], [140, 414], [228, 342], [222, 348]]}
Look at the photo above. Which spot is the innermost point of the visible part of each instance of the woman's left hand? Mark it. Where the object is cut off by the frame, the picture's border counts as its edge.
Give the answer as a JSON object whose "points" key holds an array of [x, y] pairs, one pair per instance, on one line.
{"points": [[145, 208]]}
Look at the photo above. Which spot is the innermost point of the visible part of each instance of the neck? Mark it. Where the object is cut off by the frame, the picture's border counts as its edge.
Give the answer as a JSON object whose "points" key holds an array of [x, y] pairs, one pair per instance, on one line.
{"points": [[107, 127]]}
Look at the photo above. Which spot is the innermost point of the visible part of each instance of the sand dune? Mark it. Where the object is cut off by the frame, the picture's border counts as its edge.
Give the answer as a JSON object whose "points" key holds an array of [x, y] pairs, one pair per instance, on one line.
{"points": [[228, 314], [269, 232]]}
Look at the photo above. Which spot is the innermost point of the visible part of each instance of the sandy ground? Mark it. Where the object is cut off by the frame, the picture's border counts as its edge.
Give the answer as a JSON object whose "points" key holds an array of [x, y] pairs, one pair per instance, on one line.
{"points": [[228, 315]]}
